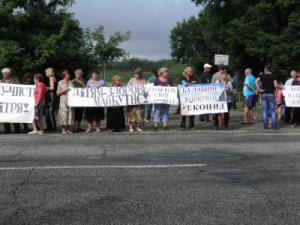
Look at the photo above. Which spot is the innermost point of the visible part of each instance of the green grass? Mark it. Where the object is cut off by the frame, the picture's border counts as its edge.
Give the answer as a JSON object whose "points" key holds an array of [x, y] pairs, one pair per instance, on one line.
{"points": [[175, 72]]}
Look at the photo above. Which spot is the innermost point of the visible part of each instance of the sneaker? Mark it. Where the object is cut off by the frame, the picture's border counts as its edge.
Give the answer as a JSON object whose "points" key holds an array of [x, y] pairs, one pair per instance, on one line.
{"points": [[33, 132], [139, 129], [131, 130], [41, 132]]}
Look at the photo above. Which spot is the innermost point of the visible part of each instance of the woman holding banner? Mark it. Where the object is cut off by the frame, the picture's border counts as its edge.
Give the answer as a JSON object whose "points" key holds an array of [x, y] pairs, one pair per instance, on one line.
{"points": [[223, 118], [136, 113], [78, 82], [65, 113], [115, 121], [162, 110], [39, 100], [94, 114]]}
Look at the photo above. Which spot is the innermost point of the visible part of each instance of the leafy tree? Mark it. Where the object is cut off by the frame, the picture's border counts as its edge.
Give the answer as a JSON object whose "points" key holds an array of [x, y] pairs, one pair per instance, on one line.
{"points": [[105, 51], [38, 33], [252, 32]]}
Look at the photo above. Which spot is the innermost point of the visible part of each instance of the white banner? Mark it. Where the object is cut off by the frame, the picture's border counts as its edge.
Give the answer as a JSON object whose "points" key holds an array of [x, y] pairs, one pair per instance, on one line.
{"points": [[202, 99], [16, 103], [121, 96], [292, 96], [161, 95]]}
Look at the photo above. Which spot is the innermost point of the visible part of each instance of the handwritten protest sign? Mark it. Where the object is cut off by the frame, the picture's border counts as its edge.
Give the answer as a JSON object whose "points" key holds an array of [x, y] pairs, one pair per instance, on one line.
{"points": [[202, 99], [292, 96], [121, 96], [162, 95], [16, 103]]}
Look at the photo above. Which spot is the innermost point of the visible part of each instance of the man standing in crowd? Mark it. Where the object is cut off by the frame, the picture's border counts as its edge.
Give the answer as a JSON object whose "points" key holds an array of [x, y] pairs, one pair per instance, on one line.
{"points": [[269, 84], [235, 84], [288, 110], [186, 80], [7, 78], [205, 79], [217, 76], [249, 91]]}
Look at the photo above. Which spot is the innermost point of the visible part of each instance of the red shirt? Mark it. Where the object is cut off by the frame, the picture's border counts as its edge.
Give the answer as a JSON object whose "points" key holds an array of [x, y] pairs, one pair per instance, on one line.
{"points": [[38, 87]]}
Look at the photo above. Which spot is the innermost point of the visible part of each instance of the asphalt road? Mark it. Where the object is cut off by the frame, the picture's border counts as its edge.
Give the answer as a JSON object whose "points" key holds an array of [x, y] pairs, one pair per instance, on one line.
{"points": [[243, 176]]}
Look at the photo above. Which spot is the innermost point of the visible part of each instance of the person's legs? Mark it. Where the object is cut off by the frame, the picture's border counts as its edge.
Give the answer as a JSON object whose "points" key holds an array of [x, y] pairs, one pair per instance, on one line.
{"points": [[216, 121], [183, 122], [264, 108], [90, 127], [149, 111], [157, 115], [17, 127], [7, 128], [191, 122], [98, 124], [165, 115], [227, 115], [220, 120], [272, 106]]}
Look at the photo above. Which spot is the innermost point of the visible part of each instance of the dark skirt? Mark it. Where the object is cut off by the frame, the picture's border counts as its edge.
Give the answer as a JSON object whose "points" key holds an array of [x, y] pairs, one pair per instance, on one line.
{"points": [[115, 118], [94, 114], [78, 113]]}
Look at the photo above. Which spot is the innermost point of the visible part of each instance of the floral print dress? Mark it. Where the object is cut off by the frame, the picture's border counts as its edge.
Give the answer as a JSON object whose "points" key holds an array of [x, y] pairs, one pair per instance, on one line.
{"points": [[65, 113]]}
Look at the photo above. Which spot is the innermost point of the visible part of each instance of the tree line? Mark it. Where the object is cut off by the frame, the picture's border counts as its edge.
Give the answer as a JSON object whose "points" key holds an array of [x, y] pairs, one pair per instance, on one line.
{"points": [[35, 34], [253, 32]]}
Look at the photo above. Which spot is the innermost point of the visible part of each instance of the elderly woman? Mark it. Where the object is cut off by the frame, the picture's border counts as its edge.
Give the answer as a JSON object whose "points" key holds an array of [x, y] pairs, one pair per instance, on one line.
{"points": [[8, 79], [39, 100], [162, 110], [136, 113], [115, 121], [51, 100], [94, 114], [78, 82], [65, 113]]}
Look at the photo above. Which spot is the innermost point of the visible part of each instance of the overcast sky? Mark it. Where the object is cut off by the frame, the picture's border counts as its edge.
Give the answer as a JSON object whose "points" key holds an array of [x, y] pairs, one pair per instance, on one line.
{"points": [[149, 21]]}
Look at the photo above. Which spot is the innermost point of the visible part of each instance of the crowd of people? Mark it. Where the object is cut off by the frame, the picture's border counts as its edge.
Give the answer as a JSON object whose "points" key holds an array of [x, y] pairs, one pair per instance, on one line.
{"points": [[51, 101]]}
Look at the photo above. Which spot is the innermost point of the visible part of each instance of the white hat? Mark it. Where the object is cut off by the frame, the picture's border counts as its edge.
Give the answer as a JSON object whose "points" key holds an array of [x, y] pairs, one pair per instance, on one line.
{"points": [[206, 65], [6, 70]]}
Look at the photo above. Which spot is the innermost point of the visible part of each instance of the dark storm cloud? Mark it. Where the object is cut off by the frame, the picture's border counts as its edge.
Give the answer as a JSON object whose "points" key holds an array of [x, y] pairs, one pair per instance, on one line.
{"points": [[149, 21]]}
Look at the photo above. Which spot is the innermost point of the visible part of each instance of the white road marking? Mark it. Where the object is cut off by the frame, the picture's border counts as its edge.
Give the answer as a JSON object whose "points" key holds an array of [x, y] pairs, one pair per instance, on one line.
{"points": [[166, 166]]}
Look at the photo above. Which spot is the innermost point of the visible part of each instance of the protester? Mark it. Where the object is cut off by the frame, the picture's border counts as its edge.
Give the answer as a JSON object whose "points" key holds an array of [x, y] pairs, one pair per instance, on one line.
{"points": [[39, 101], [115, 120], [8, 79], [288, 110], [205, 79], [136, 113], [26, 80], [51, 100], [78, 82], [269, 84], [162, 110], [186, 80], [296, 110], [94, 114], [206, 76], [65, 113], [150, 106], [279, 102], [235, 85], [249, 91], [223, 118], [217, 76]]}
